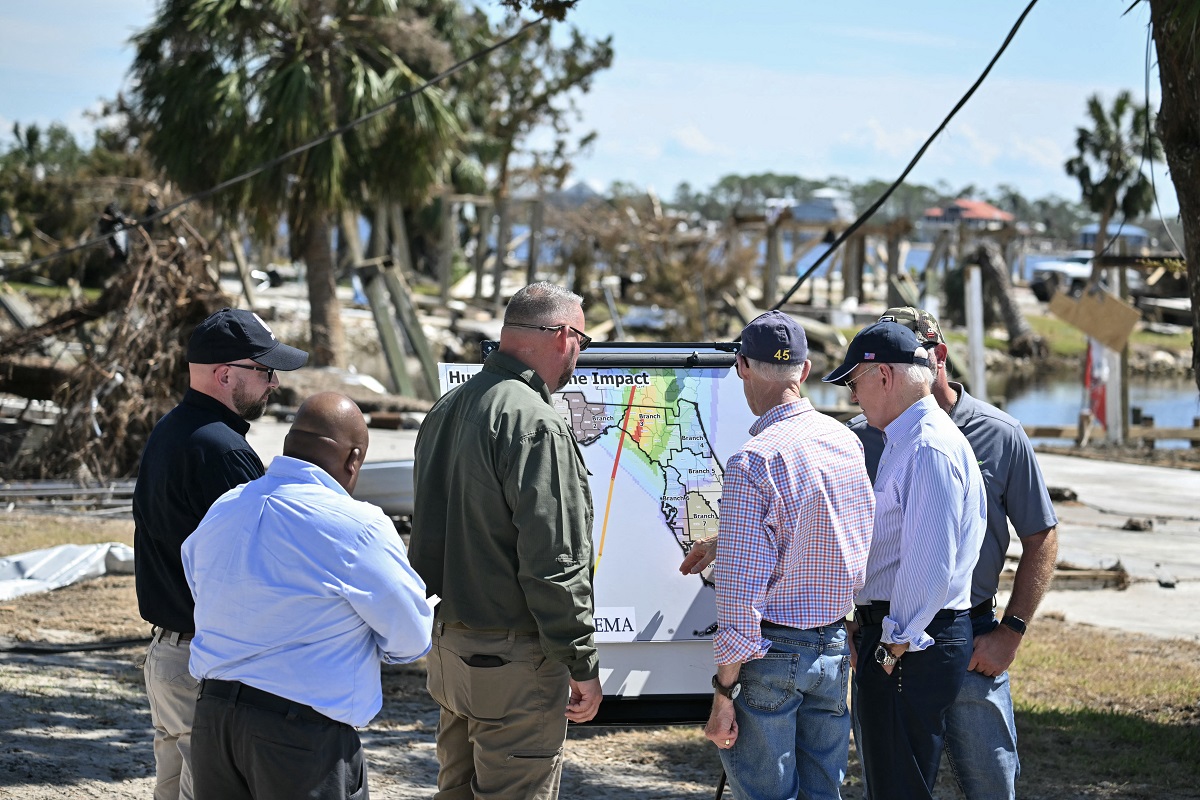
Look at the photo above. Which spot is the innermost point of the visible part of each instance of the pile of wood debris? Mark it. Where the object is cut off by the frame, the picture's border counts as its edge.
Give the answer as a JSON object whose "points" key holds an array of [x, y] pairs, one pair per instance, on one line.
{"points": [[111, 366]]}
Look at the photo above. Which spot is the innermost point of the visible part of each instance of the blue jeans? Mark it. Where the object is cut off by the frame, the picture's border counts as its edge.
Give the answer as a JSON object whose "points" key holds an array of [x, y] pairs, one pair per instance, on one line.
{"points": [[793, 729], [981, 734]]}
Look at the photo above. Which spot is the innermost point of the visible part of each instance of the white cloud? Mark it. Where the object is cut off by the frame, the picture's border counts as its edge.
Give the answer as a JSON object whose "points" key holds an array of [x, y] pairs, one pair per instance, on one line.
{"points": [[1040, 151], [693, 140]]}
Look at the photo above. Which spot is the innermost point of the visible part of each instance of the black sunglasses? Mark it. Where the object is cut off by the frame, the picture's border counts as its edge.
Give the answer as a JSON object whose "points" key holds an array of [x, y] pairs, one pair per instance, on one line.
{"points": [[584, 339], [269, 370]]}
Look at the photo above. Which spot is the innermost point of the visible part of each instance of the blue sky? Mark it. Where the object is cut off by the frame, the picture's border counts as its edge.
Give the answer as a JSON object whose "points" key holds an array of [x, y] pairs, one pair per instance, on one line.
{"points": [[704, 88]]}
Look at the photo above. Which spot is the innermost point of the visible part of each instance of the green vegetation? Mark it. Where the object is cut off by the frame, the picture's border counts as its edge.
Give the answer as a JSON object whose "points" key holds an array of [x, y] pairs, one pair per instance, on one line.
{"points": [[1098, 707]]}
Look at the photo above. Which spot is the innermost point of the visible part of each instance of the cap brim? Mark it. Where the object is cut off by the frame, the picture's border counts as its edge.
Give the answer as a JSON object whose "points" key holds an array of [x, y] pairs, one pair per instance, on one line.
{"points": [[838, 376], [283, 357]]}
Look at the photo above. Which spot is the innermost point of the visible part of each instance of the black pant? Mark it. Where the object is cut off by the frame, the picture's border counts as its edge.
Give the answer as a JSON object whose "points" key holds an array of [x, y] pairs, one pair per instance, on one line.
{"points": [[251, 745], [903, 715]]}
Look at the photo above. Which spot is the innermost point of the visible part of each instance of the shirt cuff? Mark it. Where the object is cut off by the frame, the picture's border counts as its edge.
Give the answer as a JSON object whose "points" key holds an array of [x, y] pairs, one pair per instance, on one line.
{"points": [[730, 647], [584, 669], [892, 634]]}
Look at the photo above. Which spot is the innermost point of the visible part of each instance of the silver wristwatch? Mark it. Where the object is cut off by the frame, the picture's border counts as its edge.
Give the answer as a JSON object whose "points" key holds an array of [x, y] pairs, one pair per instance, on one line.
{"points": [[884, 657]]}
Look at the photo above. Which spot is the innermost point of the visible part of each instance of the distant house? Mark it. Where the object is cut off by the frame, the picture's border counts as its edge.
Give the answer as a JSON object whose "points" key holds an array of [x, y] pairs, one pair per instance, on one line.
{"points": [[1136, 239], [975, 214]]}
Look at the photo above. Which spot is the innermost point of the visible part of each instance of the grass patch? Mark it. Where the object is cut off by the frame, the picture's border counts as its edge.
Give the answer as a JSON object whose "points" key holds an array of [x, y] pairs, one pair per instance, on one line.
{"points": [[20, 533], [51, 292], [1163, 341], [1095, 707]]}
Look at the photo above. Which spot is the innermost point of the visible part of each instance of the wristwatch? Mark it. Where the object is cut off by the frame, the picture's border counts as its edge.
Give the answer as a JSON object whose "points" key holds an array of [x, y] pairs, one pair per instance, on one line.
{"points": [[884, 657], [729, 691], [1014, 623]]}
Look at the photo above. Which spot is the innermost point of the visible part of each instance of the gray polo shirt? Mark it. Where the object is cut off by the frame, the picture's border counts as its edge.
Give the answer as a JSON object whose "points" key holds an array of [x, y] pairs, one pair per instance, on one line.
{"points": [[1016, 490]]}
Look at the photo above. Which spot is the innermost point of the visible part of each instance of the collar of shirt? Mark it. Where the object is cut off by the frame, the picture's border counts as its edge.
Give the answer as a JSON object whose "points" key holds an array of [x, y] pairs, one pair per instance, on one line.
{"points": [[194, 397], [780, 413], [906, 423], [293, 470], [503, 363], [963, 406]]}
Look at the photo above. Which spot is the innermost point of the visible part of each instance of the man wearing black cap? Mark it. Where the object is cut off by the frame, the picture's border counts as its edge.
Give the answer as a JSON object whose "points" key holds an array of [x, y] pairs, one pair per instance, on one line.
{"points": [[195, 453], [981, 733], [930, 520], [796, 509]]}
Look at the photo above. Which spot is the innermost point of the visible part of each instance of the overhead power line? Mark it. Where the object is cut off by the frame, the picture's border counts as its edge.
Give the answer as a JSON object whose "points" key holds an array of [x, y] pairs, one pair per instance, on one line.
{"points": [[866, 215]]}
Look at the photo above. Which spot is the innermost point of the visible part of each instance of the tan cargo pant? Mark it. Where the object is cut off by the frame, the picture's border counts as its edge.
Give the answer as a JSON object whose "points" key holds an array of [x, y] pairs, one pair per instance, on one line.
{"points": [[172, 692], [503, 723]]}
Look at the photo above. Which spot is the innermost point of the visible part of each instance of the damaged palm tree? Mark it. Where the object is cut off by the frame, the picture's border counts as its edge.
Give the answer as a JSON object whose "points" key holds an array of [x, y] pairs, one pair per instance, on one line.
{"points": [[998, 301], [132, 372]]}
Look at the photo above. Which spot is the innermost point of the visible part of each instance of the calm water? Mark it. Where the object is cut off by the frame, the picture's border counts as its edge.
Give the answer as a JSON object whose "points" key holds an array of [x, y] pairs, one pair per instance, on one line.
{"points": [[1057, 400]]}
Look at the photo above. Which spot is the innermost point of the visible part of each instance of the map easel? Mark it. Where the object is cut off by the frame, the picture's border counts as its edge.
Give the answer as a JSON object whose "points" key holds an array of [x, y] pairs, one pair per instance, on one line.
{"points": [[655, 423]]}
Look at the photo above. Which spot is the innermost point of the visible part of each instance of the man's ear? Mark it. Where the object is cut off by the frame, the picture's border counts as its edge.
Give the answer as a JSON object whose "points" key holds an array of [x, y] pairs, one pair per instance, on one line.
{"points": [[353, 462], [941, 353], [807, 369]]}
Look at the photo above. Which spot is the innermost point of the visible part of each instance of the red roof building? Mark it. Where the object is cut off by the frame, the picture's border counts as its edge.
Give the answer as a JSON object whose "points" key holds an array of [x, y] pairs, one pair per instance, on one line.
{"points": [[975, 213]]}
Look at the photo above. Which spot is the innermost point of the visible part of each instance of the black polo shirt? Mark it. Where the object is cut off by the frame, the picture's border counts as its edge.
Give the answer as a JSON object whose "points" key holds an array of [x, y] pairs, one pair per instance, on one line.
{"points": [[195, 454]]}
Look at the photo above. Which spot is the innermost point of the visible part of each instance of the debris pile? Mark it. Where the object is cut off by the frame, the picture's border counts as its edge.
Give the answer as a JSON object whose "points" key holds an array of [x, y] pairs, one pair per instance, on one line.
{"points": [[121, 367]]}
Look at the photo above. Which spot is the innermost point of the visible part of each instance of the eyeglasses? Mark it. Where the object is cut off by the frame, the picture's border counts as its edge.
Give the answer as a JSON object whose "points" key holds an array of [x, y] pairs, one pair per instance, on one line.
{"points": [[584, 339], [269, 370], [852, 383]]}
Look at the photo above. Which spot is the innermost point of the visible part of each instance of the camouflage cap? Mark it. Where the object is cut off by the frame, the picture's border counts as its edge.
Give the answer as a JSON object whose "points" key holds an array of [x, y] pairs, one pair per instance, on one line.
{"points": [[917, 320]]}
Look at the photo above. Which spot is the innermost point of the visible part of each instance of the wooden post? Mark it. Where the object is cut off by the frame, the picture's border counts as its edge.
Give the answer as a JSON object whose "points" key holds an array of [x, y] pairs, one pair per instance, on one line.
{"points": [[1196, 439], [446, 259], [535, 230], [402, 299], [893, 269], [974, 287], [502, 209], [385, 324], [484, 212], [239, 258], [852, 270], [771, 268], [401, 252]]}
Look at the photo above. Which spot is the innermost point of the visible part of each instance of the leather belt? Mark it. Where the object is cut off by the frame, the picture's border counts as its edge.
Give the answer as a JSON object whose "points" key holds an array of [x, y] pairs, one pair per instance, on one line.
{"points": [[237, 692], [874, 613]]}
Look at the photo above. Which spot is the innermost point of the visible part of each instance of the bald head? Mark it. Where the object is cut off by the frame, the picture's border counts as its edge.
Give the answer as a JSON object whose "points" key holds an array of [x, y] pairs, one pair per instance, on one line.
{"points": [[330, 432]]}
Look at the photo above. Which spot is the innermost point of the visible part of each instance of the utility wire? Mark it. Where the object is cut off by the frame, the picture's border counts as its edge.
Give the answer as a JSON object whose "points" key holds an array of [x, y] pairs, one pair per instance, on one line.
{"points": [[30, 265], [866, 215]]}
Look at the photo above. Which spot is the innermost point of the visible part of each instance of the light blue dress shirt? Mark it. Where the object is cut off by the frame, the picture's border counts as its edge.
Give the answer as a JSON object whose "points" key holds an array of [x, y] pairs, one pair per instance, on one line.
{"points": [[930, 519], [302, 591]]}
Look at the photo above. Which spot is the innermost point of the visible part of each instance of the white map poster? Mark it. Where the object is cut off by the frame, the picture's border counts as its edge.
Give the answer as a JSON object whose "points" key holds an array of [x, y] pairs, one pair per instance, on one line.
{"points": [[655, 441]]}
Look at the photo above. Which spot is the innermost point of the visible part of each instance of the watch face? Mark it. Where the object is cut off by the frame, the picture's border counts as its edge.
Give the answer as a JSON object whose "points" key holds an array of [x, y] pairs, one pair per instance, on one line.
{"points": [[735, 691]]}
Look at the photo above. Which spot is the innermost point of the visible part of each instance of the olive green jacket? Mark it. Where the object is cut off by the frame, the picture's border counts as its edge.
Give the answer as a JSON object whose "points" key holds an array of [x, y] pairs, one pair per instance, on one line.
{"points": [[502, 527]]}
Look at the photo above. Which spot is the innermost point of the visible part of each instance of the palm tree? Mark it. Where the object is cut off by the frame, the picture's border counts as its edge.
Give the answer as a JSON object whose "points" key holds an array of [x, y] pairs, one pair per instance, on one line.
{"points": [[1112, 154], [1174, 26], [224, 87]]}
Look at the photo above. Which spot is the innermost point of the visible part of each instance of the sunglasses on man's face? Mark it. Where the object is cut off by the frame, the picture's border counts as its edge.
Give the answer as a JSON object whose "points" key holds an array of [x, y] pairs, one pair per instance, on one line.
{"points": [[584, 339], [269, 370], [852, 383]]}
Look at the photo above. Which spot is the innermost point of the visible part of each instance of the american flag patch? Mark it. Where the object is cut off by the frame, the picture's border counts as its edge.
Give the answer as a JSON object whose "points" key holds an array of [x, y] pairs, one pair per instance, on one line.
{"points": [[869, 356]]}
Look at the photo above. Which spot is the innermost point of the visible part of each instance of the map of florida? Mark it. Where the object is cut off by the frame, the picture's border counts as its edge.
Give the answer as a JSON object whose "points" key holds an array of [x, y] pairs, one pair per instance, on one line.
{"points": [[660, 439]]}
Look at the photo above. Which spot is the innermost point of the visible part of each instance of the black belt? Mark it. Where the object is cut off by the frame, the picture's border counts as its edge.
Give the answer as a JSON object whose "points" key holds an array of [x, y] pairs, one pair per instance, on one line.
{"points": [[984, 608], [878, 609], [174, 636], [238, 692]]}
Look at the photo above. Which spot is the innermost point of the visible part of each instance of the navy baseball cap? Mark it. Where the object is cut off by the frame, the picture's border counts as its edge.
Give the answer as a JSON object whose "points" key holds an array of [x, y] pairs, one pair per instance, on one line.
{"points": [[232, 334], [775, 338], [882, 343]]}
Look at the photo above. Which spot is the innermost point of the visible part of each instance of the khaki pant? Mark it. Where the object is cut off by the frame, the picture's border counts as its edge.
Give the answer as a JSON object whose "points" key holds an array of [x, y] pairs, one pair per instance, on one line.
{"points": [[172, 693], [502, 727]]}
